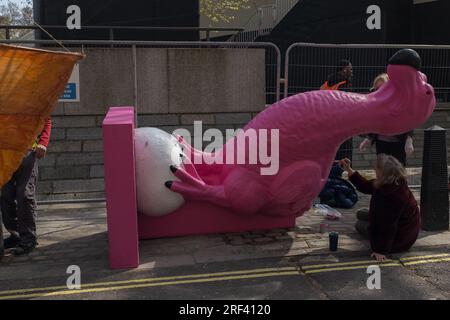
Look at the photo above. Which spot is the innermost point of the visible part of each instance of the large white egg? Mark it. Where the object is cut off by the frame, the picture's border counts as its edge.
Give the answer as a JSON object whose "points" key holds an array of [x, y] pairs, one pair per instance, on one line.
{"points": [[155, 151]]}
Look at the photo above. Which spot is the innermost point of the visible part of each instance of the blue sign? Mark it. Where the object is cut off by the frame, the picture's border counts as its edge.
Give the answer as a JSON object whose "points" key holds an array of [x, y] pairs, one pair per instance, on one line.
{"points": [[70, 92]]}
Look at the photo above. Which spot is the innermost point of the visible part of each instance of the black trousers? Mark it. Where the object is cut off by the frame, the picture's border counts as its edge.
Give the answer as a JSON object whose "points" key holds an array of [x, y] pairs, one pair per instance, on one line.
{"points": [[362, 223], [18, 202], [395, 149]]}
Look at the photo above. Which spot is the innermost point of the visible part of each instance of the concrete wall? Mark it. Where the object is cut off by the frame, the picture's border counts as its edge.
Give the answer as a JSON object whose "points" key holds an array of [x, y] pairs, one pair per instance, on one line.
{"points": [[224, 88]]}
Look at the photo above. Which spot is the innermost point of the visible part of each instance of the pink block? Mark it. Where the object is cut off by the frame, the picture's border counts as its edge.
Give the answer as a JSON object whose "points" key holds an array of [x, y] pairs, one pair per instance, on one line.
{"points": [[118, 144], [195, 218], [124, 223]]}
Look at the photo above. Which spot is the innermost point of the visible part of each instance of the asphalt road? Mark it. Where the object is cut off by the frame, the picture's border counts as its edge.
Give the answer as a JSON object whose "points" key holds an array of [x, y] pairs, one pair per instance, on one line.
{"points": [[422, 275]]}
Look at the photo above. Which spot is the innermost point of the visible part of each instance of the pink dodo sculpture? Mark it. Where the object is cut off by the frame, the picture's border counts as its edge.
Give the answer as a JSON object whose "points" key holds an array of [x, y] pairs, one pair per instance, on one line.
{"points": [[311, 126]]}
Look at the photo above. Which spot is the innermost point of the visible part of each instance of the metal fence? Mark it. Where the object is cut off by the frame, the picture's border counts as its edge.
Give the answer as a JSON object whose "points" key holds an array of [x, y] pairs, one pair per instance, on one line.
{"points": [[308, 65]]}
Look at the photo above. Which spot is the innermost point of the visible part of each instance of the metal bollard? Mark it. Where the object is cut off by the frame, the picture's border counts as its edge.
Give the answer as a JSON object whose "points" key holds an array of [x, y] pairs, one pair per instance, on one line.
{"points": [[434, 203]]}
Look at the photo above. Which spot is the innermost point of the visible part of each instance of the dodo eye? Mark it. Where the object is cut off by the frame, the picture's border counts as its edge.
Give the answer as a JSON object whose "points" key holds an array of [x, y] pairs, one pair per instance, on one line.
{"points": [[428, 92]]}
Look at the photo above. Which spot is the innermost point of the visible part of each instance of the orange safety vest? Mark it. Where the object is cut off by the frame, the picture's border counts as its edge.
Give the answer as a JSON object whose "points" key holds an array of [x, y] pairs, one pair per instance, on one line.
{"points": [[326, 86]]}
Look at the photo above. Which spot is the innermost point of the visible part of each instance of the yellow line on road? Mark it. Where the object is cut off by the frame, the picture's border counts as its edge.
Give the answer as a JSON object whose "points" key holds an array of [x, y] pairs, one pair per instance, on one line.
{"points": [[326, 265], [395, 264], [342, 264], [425, 257], [120, 282], [426, 261], [146, 285], [214, 277]]}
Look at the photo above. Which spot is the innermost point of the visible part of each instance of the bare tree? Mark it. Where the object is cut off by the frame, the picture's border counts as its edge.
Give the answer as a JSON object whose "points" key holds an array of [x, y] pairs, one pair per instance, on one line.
{"points": [[15, 13], [222, 10]]}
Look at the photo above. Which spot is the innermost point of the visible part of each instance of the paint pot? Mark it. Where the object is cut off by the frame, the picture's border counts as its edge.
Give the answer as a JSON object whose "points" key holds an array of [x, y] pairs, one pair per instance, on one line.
{"points": [[334, 237]]}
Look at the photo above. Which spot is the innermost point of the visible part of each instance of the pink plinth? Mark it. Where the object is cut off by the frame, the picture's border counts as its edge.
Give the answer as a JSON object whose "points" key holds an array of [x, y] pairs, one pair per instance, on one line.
{"points": [[202, 218], [125, 225], [120, 184]]}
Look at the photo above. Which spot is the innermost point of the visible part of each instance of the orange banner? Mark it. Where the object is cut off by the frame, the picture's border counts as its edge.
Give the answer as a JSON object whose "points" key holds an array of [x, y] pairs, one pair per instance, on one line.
{"points": [[31, 82]]}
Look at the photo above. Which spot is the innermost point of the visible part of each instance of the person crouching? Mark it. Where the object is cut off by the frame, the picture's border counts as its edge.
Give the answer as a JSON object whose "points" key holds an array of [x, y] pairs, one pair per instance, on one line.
{"points": [[392, 222]]}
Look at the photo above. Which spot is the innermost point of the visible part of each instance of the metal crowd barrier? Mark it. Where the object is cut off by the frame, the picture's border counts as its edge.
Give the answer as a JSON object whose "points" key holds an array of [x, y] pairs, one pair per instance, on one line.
{"points": [[308, 65]]}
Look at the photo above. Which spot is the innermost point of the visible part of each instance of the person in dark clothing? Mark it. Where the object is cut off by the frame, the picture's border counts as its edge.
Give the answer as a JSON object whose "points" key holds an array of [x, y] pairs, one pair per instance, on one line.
{"points": [[392, 222], [341, 80], [338, 192], [17, 200], [399, 146]]}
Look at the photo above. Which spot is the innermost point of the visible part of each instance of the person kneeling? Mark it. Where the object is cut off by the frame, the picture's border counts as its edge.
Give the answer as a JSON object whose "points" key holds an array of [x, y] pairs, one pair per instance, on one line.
{"points": [[392, 222]]}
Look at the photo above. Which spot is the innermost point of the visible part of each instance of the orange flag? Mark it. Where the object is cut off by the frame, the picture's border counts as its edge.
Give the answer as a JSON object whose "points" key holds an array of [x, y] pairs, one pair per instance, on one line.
{"points": [[31, 82]]}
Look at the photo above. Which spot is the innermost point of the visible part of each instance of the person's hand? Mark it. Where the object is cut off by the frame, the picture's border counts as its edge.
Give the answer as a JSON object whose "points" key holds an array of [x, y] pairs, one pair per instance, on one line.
{"points": [[365, 144], [345, 164], [40, 151], [378, 256], [409, 147]]}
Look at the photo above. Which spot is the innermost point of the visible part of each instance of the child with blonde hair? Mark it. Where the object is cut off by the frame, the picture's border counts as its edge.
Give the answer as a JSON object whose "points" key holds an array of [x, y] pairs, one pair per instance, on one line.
{"points": [[392, 222]]}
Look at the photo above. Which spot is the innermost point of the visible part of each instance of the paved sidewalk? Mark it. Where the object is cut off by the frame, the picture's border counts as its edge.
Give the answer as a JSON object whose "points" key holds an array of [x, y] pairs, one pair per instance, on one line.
{"points": [[77, 235]]}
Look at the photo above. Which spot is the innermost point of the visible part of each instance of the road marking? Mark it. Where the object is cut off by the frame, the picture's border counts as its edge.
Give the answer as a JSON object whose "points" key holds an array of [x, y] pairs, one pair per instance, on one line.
{"points": [[342, 264], [394, 264], [425, 257], [426, 261], [146, 285], [191, 276], [217, 276], [371, 262]]}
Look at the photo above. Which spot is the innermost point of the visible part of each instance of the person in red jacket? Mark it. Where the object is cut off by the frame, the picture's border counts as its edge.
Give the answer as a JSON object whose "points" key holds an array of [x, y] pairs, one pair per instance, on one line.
{"points": [[393, 221], [17, 200]]}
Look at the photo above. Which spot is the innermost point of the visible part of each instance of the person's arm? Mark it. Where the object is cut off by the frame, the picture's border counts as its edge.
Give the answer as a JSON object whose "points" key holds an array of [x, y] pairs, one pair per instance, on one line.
{"points": [[367, 142], [409, 144], [44, 139], [362, 184], [384, 225]]}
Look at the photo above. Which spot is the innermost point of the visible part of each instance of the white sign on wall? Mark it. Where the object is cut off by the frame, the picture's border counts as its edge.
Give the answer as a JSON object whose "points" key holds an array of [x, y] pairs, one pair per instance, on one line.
{"points": [[72, 90]]}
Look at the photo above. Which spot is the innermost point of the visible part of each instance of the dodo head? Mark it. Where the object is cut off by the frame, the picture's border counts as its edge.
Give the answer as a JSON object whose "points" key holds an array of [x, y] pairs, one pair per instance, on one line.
{"points": [[409, 99], [406, 57]]}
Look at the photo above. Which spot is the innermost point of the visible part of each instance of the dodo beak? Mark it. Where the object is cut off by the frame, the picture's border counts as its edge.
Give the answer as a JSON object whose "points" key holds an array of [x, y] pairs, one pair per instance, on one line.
{"points": [[407, 57]]}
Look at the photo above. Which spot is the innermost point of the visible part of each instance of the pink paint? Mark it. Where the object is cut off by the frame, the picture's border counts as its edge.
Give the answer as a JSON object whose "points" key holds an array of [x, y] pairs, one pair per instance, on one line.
{"points": [[120, 184]]}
